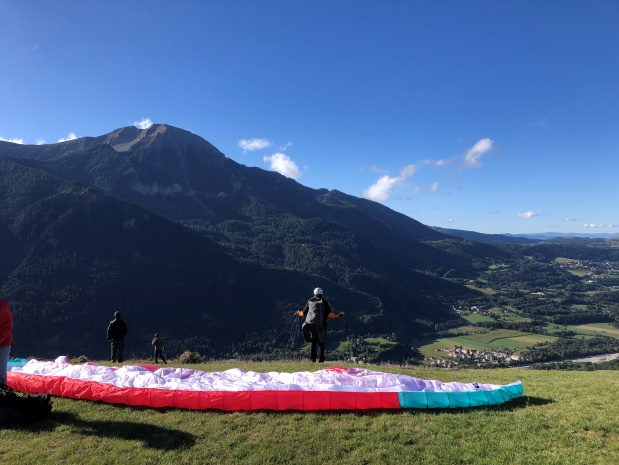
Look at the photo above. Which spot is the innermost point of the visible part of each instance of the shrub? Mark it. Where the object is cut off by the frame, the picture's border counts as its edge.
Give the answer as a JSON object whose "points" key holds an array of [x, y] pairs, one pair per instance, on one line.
{"points": [[189, 357]]}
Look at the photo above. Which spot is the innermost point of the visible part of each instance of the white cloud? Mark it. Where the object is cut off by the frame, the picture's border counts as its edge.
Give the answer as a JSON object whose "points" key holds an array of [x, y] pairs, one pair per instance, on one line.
{"points": [[144, 124], [407, 172], [474, 154], [285, 147], [380, 190], [71, 136], [40, 142], [14, 140], [282, 164], [571, 220], [254, 144], [597, 226], [441, 163], [528, 215]]}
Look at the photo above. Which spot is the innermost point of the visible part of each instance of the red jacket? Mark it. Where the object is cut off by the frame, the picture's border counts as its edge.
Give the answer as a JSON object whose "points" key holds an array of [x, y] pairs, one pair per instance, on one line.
{"points": [[6, 324]]}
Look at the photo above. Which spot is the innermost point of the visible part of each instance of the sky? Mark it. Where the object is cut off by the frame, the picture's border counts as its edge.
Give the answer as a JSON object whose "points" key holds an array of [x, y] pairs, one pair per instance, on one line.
{"points": [[487, 116]]}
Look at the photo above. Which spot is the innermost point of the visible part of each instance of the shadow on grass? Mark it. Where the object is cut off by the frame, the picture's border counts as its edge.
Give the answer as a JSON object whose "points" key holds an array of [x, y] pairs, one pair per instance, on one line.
{"points": [[151, 436], [515, 404], [157, 437], [529, 401]]}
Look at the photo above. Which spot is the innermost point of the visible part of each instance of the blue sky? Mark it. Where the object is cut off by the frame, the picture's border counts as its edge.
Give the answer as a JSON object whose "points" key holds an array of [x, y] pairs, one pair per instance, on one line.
{"points": [[490, 116]]}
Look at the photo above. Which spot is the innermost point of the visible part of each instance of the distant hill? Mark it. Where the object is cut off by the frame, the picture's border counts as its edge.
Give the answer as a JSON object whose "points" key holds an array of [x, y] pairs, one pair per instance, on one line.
{"points": [[487, 238], [553, 235], [159, 224], [525, 239]]}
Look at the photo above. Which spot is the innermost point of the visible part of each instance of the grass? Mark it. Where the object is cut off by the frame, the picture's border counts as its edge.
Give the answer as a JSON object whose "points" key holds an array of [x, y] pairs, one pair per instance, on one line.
{"points": [[580, 272], [495, 335], [604, 329], [484, 290], [515, 319], [378, 340], [477, 318], [486, 341], [564, 417]]}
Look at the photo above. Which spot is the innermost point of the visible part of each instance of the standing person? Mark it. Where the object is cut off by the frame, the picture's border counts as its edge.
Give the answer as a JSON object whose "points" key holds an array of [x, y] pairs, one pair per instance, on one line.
{"points": [[317, 312], [116, 332], [159, 346], [6, 339]]}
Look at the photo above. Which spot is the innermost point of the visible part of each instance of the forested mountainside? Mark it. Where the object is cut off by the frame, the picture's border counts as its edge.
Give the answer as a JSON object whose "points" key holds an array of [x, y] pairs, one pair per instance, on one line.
{"points": [[160, 225]]}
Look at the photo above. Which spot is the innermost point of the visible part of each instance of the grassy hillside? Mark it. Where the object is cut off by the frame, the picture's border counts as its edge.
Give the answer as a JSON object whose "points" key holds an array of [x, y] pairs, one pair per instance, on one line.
{"points": [[563, 417]]}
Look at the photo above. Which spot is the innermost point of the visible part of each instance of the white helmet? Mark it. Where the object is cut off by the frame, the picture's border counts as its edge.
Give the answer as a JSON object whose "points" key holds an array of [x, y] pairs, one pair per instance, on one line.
{"points": [[318, 291]]}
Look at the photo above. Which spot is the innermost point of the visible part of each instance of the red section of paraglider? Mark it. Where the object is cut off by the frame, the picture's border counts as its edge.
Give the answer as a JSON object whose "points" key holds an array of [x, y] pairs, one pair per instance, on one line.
{"points": [[202, 400]]}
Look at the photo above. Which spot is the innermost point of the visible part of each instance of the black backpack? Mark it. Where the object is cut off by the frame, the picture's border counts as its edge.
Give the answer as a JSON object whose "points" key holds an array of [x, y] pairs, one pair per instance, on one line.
{"points": [[315, 312], [313, 330], [33, 405]]}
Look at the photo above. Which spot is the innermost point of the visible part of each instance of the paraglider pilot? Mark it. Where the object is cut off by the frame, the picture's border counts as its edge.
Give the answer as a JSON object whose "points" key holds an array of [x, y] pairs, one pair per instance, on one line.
{"points": [[116, 332], [159, 346], [316, 313]]}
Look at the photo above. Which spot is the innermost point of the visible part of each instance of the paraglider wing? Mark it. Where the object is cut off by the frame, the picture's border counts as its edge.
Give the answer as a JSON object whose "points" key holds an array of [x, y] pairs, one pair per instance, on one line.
{"points": [[333, 388]]}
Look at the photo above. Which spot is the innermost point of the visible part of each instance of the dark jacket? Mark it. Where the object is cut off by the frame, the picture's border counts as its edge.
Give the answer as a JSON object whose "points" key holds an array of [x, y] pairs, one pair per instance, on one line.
{"points": [[117, 330], [158, 343]]}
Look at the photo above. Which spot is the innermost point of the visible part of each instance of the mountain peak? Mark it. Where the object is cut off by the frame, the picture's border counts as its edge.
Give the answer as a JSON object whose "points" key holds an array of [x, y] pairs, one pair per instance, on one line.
{"points": [[155, 136]]}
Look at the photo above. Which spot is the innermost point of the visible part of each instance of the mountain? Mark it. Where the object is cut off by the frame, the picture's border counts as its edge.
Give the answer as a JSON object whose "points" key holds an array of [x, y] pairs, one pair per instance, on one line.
{"points": [[159, 224], [555, 235], [487, 238], [529, 239], [73, 255]]}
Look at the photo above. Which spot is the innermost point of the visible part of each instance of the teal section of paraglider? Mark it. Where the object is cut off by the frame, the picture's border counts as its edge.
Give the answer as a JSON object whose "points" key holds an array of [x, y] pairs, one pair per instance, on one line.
{"points": [[16, 362], [480, 398]]}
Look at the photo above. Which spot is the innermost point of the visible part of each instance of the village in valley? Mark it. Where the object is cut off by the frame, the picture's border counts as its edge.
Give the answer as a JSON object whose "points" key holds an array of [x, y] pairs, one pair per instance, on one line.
{"points": [[473, 357], [527, 310]]}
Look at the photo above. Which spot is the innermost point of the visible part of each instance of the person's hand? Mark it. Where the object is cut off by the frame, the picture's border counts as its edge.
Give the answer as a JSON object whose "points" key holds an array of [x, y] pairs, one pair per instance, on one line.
{"points": [[300, 313]]}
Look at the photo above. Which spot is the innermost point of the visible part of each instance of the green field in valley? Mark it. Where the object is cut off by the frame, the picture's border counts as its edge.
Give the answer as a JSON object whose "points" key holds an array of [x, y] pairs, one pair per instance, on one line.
{"points": [[601, 329], [486, 341], [477, 318]]}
